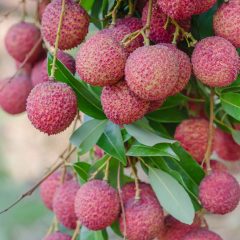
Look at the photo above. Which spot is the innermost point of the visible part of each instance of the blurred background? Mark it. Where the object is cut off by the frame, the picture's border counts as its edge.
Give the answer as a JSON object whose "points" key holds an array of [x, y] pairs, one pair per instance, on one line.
{"points": [[25, 154]]}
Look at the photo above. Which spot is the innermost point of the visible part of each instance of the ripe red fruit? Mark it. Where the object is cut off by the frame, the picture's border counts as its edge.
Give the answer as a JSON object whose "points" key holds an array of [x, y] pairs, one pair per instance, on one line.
{"points": [[226, 22], [215, 62], [41, 8], [97, 205], [143, 219], [193, 137], [202, 234], [58, 236], [51, 107], [74, 28], [49, 186], [121, 105], [21, 38], [14, 93], [203, 5], [219, 192], [36, 76], [63, 204], [155, 105], [133, 23], [101, 61], [152, 71]]}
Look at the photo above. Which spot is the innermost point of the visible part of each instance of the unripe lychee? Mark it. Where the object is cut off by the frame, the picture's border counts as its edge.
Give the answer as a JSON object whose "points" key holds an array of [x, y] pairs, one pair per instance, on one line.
{"points": [[219, 192], [225, 146], [51, 107], [101, 61], [178, 9], [202, 234], [143, 219], [21, 38], [121, 105], [63, 204], [203, 5], [14, 93], [226, 22], [41, 8], [193, 137], [97, 205], [152, 72], [49, 186], [58, 236], [36, 76], [215, 62], [155, 105], [74, 27]]}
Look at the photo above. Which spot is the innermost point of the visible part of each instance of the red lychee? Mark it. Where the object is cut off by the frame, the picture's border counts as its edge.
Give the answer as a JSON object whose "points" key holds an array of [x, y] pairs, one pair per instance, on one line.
{"points": [[226, 22], [225, 146], [41, 8], [49, 186], [143, 219], [51, 107], [97, 205], [152, 72], [14, 93], [203, 5], [21, 38], [219, 192], [215, 62], [132, 22], [36, 76], [155, 105], [121, 105], [74, 27], [193, 137], [202, 234], [26, 69], [63, 204], [58, 236], [101, 61]]}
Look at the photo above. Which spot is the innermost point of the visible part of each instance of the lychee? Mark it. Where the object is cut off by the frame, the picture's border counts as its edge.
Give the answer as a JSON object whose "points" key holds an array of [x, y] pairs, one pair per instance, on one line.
{"points": [[202, 234], [97, 205], [121, 105], [74, 27], [203, 5], [58, 236], [155, 105], [143, 219], [49, 186], [63, 204], [98, 152], [51, 107], [215, 62], [217, 166], [226, 22], [36, 76], [152, 72], [101, 61], [225, 146], [132, 22], [193, 137], [14, 93], [41, 7], [219, 192], [21, 38], [25, 69], [178, 9]]}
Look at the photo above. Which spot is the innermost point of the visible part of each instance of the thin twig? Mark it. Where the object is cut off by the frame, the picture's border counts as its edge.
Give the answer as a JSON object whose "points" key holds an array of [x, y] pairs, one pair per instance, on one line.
{"points": [[24, 10], [135, 176], [107, 170], [77, 231], [148, 23], [113, 13], [53, 227]]}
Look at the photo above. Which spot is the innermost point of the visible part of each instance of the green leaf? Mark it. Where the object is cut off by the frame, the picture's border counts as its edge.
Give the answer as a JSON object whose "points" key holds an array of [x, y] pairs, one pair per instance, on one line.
{"points": [[87, 4], [144, 134], [82, 169], [116, 229], [87, 135], [86, 234], [172, 196], [111, 142], [161, 150], [231, 104], [236, 136]]}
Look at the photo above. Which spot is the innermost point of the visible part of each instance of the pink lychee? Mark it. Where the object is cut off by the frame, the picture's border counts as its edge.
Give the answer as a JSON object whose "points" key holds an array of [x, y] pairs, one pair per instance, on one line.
{"points": [[132, 22], [202, 234], [203, 5], [155, 105], [217, 166], [58, 236], [36, 76]]}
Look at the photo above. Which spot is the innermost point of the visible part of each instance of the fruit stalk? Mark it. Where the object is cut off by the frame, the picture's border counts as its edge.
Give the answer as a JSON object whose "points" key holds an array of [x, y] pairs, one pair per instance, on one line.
{"points": [[148, 24]]}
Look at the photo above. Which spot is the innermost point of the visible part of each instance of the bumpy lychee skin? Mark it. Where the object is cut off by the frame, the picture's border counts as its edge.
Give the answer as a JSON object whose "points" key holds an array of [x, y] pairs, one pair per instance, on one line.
{"points": [[155, 105], [133, 23], [203, 5], [58, 236], [97, 205], [21, 38], [36, 75], [202, 234], [51, 107], [226, 148], [226, 22], [49, 186], [63, 204], [193, 137], [74, 28], [219, 192], [215, 62], [178, 9], [14, 93], [143, 218], [121, 105], [101, 61], [151, 72]]}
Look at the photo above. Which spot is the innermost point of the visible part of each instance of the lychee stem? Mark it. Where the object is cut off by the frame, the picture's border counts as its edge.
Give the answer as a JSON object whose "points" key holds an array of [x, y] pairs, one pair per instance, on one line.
{"points": [[148, 23], [57, 40], [113, 13], [77, 231], [93, 175], [24, 10], [53, 227], [131, 7], [166, 23], [106, 175]]}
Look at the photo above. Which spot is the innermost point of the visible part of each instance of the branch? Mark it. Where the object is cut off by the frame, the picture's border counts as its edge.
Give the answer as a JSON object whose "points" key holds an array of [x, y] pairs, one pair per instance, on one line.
{"points": [[134, 172], [77, 231]]}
